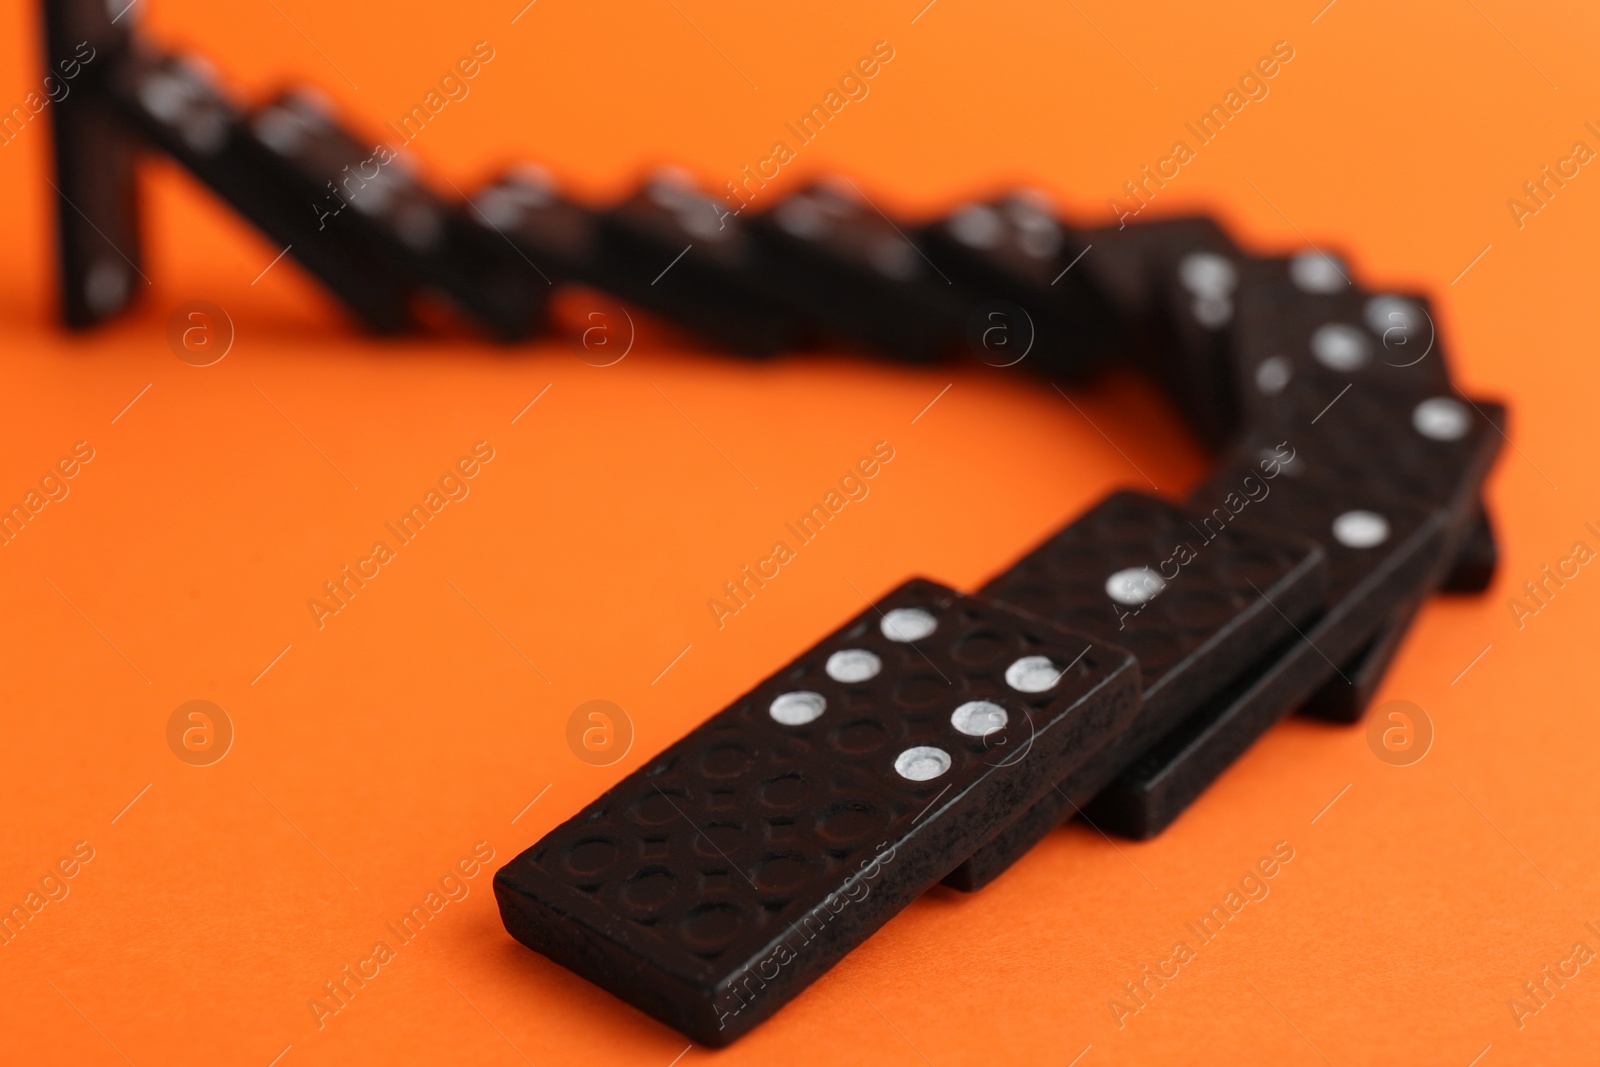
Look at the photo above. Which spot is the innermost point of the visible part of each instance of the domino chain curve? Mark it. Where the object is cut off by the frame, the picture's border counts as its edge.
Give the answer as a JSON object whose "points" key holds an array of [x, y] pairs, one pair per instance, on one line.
{"points": [[1112, 672]]}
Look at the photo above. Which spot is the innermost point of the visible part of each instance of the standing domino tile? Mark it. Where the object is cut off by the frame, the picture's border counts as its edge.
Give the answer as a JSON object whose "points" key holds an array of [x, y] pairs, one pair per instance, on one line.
{"points": [[99, 253], [1193, 601], [712, 885]]}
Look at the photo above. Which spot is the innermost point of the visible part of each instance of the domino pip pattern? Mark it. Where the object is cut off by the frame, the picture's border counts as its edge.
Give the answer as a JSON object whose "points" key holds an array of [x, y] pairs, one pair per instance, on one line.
{"points": [[1115, 670]]}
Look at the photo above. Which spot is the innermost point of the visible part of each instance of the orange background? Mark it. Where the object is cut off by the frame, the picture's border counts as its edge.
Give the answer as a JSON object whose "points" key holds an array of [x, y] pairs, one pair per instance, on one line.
{"points": [[424, 718]]}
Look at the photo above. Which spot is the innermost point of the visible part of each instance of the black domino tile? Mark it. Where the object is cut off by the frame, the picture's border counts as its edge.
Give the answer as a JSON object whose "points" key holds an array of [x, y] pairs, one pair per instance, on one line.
{"points": [[512, 291], [681, 254], [1196, 306], [1346, 337], [1128, 263], [1187, 292], [177, 106], [1437, 448], [854, 275], [1475, 564], [1223, 595], [1239, 325], [366, 193], [1415, 463], [1426, 448], [1019, 257], [1421, 441], [524, 209], [105, 26], [99, 254], [1302, 349], [1132, 266], [1392, 422], [1367, 584], [713, 884], [1344, 697], [1151, 793]]}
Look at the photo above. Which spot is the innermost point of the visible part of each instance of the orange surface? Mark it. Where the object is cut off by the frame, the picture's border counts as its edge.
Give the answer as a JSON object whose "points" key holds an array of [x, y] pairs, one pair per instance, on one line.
{"points": [[425, 717]]}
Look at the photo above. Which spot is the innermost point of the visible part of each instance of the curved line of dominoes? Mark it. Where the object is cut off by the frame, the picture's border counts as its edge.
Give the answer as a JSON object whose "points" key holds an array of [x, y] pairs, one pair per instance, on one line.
{"points": [[1116, 669]]}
